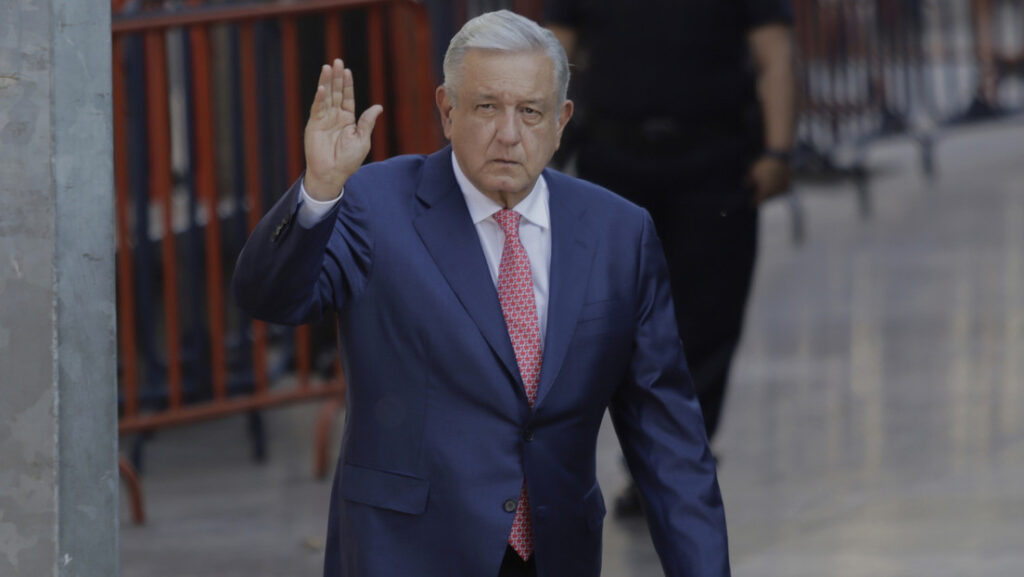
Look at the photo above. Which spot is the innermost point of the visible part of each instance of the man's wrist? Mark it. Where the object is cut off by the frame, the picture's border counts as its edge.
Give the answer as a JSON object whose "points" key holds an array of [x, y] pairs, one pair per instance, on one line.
{"points": [[319, 191]]}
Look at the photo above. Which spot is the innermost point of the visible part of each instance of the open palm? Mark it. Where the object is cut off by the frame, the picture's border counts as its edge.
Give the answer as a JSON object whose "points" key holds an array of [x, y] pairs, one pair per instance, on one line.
{"points": [[336, 143]]}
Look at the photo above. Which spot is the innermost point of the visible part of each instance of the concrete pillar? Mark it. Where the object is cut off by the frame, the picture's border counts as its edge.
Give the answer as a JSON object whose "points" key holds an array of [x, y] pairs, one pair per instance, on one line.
{"points": [[58, 419]]}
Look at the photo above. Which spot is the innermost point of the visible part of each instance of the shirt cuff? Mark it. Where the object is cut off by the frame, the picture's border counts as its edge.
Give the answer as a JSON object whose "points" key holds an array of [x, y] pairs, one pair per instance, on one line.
{"points": [[311, 210]]}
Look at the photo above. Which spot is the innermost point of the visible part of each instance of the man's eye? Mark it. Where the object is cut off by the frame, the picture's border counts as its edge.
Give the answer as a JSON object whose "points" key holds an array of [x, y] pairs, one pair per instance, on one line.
{"points": [[486, 107], [531, 113]]}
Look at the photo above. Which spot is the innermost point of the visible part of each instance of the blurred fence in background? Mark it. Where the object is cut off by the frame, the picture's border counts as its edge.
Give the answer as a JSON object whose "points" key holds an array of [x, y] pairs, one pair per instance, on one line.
{"points": [[210, 103], [873, 68]]}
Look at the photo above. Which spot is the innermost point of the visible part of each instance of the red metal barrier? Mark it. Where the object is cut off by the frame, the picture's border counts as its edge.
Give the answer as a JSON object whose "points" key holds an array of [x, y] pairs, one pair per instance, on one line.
{"points": [[125, 271], [876, 67], [169, 386]]}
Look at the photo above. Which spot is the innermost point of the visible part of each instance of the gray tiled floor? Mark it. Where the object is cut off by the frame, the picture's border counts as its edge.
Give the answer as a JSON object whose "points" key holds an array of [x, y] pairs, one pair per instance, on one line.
{"points": [[875, 425]]}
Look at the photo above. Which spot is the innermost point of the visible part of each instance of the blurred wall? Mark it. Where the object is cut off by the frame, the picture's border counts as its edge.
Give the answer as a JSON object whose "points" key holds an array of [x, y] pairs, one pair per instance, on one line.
{"points": [[58, 468]]}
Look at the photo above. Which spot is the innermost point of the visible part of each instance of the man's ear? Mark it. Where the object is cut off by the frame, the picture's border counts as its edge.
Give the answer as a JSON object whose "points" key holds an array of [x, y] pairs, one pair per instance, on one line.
{"points": [[444, 107]]}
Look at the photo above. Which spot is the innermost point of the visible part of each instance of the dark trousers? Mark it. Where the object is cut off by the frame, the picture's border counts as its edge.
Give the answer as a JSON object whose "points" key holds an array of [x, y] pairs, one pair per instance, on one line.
{"points": [[708, 229], [514, 566]]}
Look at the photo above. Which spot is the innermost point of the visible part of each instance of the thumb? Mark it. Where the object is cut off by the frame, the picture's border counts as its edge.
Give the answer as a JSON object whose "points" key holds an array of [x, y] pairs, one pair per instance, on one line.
{"points": [[369, 119]]}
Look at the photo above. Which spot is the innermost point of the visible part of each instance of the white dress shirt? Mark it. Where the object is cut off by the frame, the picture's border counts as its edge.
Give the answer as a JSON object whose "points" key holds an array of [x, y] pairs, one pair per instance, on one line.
{"points": [[534, 231]]}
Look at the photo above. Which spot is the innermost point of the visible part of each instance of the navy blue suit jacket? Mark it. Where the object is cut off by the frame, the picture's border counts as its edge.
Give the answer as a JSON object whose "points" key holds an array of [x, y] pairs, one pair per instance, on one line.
{"points": [[438, 434]]}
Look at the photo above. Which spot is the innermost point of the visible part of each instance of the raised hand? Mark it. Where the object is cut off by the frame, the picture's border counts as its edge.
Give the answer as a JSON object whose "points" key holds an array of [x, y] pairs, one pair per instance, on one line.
{"points": [[336, 144]]}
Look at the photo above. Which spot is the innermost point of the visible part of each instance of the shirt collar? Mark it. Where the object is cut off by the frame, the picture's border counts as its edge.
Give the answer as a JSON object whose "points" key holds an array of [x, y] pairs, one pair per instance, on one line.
{"points": [[534, 208]]}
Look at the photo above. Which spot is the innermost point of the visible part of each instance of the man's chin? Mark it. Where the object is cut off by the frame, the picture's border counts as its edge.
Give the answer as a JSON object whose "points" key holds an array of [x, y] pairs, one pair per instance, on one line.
{"points": [[505, 180], [503, 184]]}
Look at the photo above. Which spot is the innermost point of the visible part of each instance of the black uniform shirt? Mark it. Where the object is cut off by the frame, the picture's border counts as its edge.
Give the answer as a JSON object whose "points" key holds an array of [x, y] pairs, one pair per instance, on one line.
{"points": [[685, 59], [684, 64]]}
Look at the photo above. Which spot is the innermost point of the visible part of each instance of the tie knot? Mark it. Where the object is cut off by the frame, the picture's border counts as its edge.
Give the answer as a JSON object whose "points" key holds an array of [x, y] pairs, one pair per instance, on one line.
{"points": [[508, 220]]}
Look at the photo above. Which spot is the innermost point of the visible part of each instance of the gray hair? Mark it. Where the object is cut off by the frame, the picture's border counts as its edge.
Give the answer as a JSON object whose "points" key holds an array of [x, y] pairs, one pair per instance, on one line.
{"points": [[504, 31]]}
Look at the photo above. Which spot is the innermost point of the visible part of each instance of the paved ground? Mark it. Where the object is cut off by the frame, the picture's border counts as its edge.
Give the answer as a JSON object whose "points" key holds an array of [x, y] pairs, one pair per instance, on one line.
{"points": [[875, 425]]}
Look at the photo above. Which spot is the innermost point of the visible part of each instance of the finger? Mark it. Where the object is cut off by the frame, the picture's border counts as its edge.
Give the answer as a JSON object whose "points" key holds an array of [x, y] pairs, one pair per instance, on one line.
{"points": [[320, 99], [348, 99], [338, 83], [329, 80], [369, 119], [319, 103]]}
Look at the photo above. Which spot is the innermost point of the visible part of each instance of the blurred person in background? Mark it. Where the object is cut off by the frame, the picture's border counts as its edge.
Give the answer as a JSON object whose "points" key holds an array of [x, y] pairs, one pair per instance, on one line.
{"points": [[490, 311], [687, 108]]}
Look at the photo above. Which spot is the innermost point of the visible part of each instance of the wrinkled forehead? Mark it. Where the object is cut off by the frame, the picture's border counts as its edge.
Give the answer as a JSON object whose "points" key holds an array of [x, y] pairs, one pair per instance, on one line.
{"points": [[526, 73]]}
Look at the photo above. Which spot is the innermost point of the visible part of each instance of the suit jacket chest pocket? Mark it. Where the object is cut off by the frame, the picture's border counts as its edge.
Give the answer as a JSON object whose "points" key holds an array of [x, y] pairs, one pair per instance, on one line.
{"points": [[604, 316]]}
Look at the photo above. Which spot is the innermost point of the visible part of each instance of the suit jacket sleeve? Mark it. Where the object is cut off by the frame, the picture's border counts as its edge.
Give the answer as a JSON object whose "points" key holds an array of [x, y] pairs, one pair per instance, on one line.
{"points": [[658, 420], [288, 274]]}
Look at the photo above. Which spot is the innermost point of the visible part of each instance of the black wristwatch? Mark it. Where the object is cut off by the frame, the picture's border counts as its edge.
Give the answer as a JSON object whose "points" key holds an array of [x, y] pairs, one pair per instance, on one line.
{"points": [[784, 156]]}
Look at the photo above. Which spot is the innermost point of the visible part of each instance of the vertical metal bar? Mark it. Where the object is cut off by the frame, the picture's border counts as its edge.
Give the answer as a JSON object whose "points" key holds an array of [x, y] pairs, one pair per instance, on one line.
{"points": [[845, 102], [239, 220], [944, 84], [805, 103], [533, 9], [333, 46], [858, 82], [183, 136], [882, 55], [378, 80], [125, 281], [816, 62], [293, 146], [826, 86], [461, 13], [251, 143], [917, 52], [138, 157], [430, 133], [986, 51], [206, 185], [292, 94], [875, 65], [403, 90], [160, 188], [902, 38]]}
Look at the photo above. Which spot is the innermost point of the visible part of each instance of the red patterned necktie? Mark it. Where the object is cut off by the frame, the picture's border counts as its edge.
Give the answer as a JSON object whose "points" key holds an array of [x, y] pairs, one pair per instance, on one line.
{"points": [[515, 292]]}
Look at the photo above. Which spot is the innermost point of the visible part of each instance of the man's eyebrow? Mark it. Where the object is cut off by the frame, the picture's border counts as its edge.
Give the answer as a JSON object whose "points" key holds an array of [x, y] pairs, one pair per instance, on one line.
{"points": [[535, 102]]}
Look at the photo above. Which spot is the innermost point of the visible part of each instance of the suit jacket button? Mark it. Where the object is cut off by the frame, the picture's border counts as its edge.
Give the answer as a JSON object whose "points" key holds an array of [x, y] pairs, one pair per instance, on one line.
{"points": [[528, 435], [510, 505]]}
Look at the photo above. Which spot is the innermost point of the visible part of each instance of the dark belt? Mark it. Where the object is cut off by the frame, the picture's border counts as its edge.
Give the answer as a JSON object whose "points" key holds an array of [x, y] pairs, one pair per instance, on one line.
{"points": [[668, 134], [657, 134]]}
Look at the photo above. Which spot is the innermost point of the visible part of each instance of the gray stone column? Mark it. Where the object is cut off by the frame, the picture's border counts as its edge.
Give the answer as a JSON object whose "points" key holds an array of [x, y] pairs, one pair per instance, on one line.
{"points": [[58, 420]]}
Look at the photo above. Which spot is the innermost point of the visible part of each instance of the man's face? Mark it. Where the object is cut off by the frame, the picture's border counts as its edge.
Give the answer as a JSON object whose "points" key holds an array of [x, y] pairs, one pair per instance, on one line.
{"points": [[504, 122]]}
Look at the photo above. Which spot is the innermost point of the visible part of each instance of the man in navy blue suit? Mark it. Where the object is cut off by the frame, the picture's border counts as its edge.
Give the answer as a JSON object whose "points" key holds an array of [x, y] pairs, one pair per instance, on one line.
{"points": [[490, 311]]}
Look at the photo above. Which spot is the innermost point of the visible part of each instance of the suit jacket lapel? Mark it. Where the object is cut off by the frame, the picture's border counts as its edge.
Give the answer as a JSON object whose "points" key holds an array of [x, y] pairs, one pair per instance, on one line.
{"points": [[572, 253], [449, 235]]}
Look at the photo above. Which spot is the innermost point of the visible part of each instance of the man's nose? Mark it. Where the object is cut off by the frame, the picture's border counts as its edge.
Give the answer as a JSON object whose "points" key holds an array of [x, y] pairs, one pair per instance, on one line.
{"points": [[508, 128]]}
